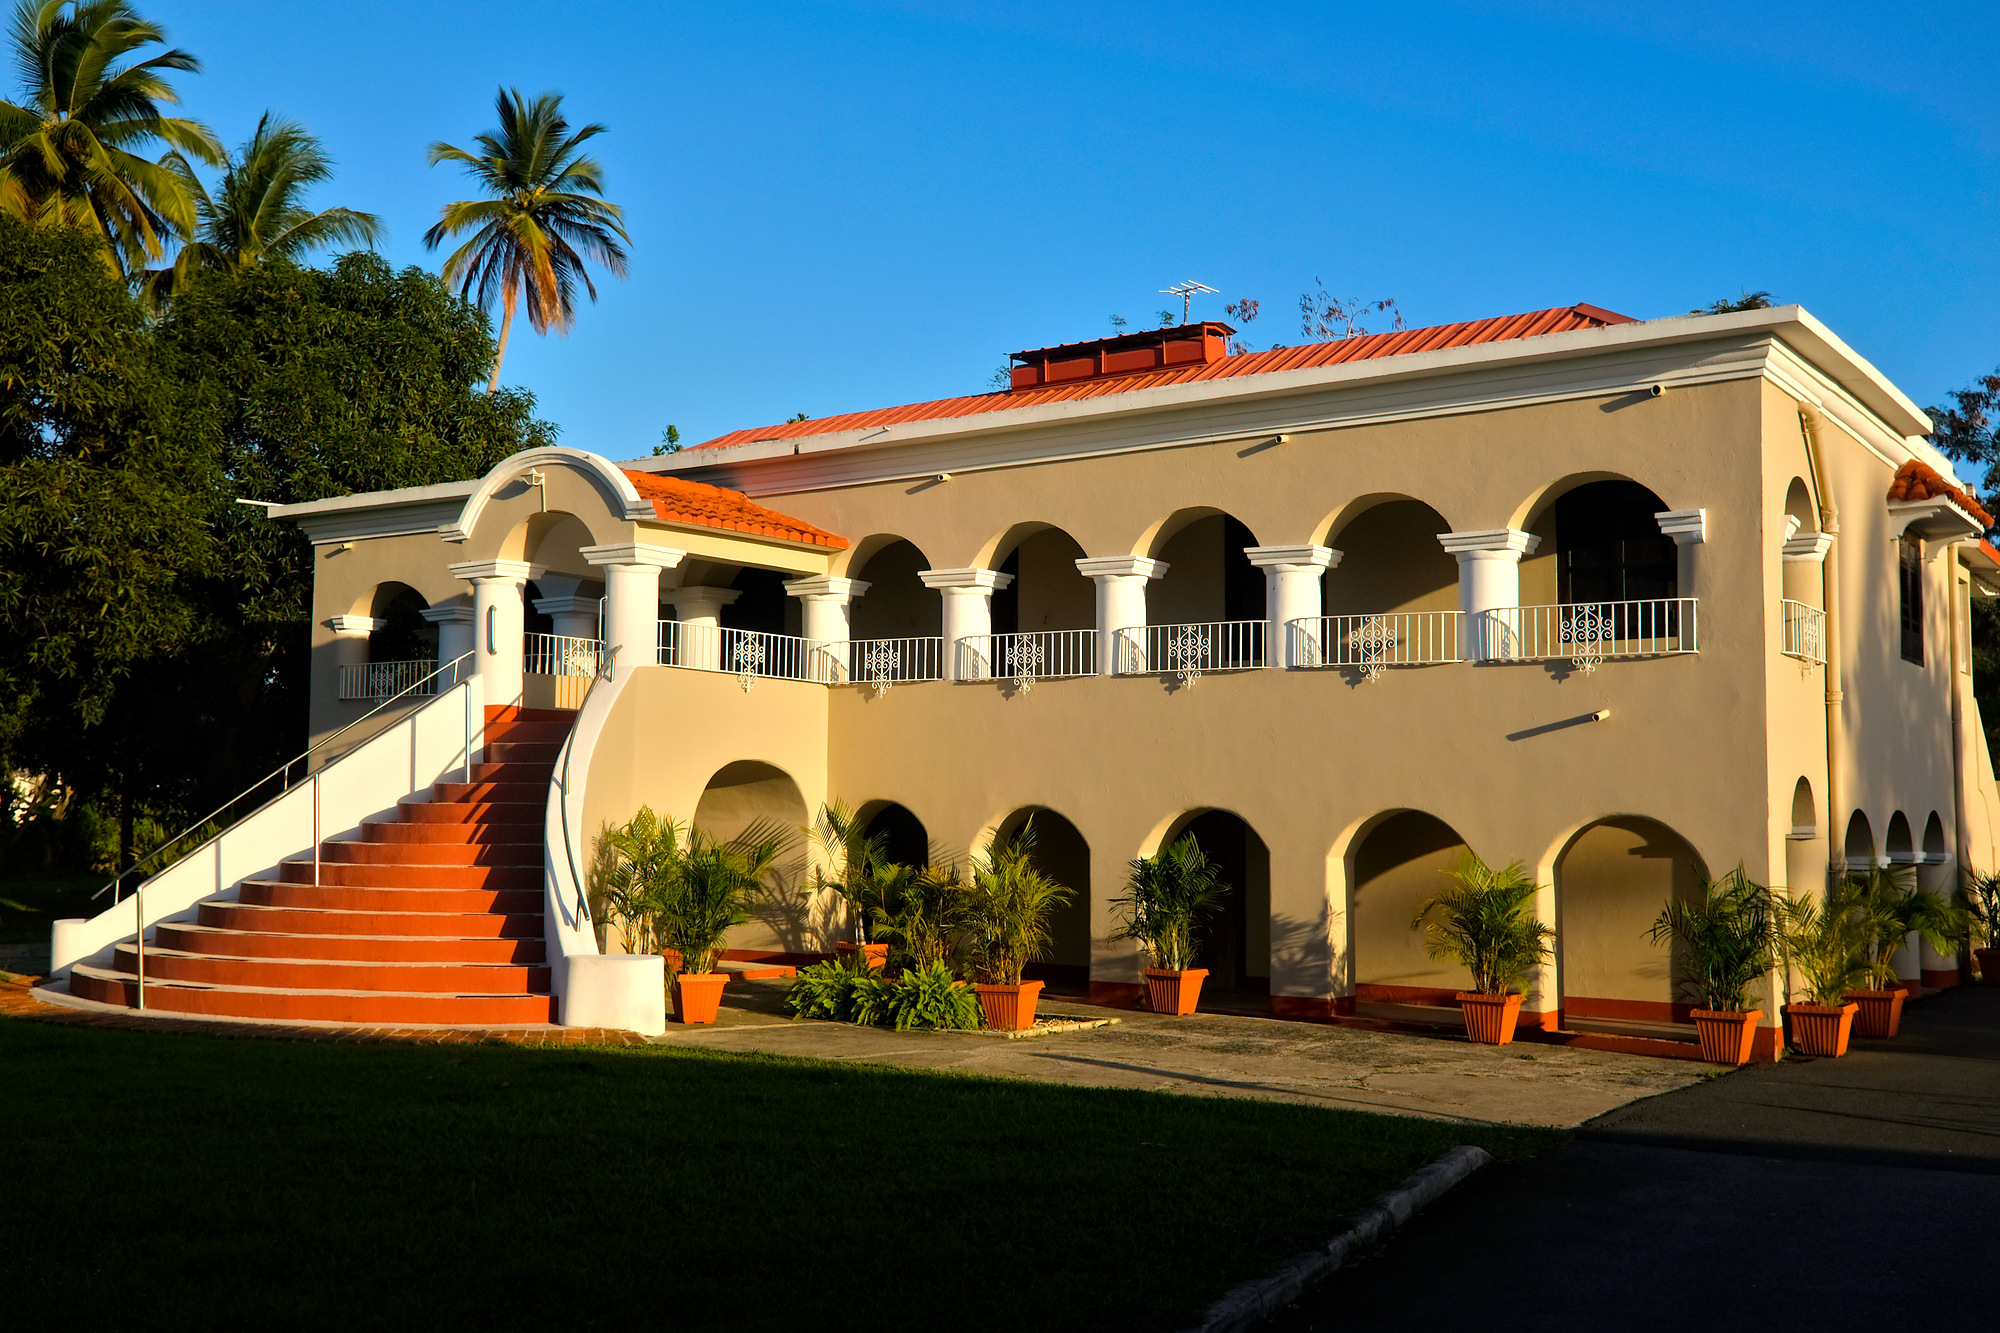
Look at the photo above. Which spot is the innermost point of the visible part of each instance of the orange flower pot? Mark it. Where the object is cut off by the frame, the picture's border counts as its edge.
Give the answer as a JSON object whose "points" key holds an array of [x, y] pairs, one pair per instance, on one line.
{"points": [[1726, 1035], [1490, 1019], [1821, 1029], [697, 995], [1989, 966], [1009, 1008], [1881, 1012], [878, 954], [1171, 992], [674, 960]]}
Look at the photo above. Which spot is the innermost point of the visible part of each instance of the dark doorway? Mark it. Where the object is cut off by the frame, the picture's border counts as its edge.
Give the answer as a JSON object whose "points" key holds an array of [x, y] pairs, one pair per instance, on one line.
{"points": [[1236, 946], [1063, 855], [904, 839]]}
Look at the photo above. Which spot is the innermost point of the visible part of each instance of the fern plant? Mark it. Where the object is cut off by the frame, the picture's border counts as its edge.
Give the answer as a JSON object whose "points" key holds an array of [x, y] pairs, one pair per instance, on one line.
{"points": [[1727, 935], [931, 997], [1167, 897], [1485, 922]]}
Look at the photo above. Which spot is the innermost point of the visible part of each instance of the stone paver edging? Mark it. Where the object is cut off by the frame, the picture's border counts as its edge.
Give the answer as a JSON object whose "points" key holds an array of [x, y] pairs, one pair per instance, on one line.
{"points": [[1252, 1303]]}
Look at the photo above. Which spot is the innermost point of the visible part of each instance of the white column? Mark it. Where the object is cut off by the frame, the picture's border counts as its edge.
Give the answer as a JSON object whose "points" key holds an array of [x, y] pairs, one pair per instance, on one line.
{"points": [[454, 628], [496, 625], [631, 601], [350, 650], [1292, 593], [1489, 585], [826, 609], [1121, 607], [1689, 529], [700, 613], [574, 617], [968, 615]]}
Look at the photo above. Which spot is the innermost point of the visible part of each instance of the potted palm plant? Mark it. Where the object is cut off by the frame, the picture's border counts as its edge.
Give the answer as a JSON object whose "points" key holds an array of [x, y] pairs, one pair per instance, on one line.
{"points": [[1979, 900], [1007, 909], [710, 891], [1167, 896], [1726, 940], [925, 920], [854, 863], [1891, 907], [1828, 948], [1485, 922]]}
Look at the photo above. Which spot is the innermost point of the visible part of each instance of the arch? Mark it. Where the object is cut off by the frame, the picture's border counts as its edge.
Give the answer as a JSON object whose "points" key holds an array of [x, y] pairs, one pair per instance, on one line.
{"points": [[1394, 862], [1208, 577], [1897, 843], [1859, 847], [1327, 531], [1391, 560], [621, 498], [1805, 811], [997, 548], [1063, 854], [1799, 505], [1047, 592], [1611, 882], [404, 636], [1236, 946], [897, 605], [1536, 507], [750, 798], [904, 839], [1936, 850], [1600, 542], [848, 563]]}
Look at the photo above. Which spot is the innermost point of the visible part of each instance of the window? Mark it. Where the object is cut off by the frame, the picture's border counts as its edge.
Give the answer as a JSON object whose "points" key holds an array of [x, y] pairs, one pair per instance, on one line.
{"points": [[1910, 582], [1609, 545]]}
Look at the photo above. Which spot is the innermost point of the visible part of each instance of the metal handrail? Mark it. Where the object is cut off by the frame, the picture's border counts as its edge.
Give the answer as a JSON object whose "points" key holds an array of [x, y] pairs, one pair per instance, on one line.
{"points": [[603, 672], [284, 769]]}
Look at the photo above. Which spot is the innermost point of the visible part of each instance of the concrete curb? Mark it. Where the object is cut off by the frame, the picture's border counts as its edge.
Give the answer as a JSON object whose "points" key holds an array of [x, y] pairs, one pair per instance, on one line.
{"points": [[1252, 1303]]}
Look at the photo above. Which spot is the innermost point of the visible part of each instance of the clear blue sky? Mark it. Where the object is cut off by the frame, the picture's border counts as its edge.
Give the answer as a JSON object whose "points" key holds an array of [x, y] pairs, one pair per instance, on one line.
{"points": [[846, 205]]}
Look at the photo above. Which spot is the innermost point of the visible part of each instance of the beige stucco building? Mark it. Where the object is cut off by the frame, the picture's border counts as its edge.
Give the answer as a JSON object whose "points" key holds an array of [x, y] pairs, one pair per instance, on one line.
{"points": [[1630, 602]]}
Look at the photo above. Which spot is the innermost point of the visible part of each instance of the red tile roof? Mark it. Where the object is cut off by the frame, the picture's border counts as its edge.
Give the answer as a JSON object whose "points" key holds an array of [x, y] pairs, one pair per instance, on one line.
{"points": [[1914, 481], [1562, 319], [679, 501]]}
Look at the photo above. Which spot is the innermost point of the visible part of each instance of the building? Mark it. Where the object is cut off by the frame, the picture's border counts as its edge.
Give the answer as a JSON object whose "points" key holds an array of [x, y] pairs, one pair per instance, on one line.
{"points": [[1630, 602]]}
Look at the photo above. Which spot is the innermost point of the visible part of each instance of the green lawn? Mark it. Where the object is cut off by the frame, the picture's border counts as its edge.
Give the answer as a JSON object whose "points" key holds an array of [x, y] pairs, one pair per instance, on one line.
{"points": [[47, 896], [195, 1182]]}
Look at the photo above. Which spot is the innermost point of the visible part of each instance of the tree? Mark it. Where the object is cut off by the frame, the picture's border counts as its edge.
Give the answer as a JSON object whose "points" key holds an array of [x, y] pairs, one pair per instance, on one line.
{"points": [[546, 217], [1324, 317], [1747, 301], [258, 209], [1968, 431], [71, 149]]}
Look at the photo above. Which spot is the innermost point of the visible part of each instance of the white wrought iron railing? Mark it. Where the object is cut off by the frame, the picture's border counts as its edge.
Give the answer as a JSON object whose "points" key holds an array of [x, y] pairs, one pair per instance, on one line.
{"points": [[1587, 633], [561, 655], [1805, 631], [748, 654], [381, 680], [1371, 644], [877, 663], [1027, 658], [1192, 651]]}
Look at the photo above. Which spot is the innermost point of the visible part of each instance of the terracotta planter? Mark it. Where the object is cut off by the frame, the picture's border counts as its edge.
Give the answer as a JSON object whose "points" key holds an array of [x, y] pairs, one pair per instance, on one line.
{"points": [[697, 995], [1009, 1008], [1171, 992], [1881, 1012], [1490, 1019], [1989, 966], [1726, 1035], [878, 954], [1821, 1029]]}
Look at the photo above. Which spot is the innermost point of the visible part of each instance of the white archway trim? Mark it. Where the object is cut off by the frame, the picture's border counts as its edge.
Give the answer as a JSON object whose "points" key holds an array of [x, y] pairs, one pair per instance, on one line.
{"points": [[620, 496]]}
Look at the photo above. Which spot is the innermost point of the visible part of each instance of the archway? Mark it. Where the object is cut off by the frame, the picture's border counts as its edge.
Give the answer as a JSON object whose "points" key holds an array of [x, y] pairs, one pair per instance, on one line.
{"points": [[1393, 868], [897, 605], [1208, 577], [1048, 592], [1859, 847], [1391, 561], [1236, 946], [404, 636], [904, 838], [1805, 814], [1897, 842], [1936, 851], [748, 801], [1612, 882], [1062, 854]]}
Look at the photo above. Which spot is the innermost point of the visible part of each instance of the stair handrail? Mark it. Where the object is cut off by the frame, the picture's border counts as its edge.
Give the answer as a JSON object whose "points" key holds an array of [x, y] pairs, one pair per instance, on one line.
{"points": [[285, 769], [603, 672]]}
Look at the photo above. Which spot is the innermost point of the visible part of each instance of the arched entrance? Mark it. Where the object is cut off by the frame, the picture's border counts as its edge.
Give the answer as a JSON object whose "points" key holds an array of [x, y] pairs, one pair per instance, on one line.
{"points": [[1611, 883], [897, 605], [1236, 946], [1063, 855], [904, 838], [749, 800], [1393, 868]]}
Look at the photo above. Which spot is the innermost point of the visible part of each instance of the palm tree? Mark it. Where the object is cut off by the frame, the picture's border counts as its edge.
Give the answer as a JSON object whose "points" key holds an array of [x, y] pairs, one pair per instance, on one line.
{"points": [[532, 237], [70, 150], [257, 213]]}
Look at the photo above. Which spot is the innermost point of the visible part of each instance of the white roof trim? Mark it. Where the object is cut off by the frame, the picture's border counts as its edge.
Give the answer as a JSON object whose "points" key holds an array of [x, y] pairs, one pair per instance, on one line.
{"points": [[397, 513], [620, 495]]}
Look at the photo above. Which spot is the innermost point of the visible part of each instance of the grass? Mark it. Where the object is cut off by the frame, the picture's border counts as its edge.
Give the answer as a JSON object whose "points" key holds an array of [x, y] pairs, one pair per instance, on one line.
{"points": [[48, 896], [199, 1182]]}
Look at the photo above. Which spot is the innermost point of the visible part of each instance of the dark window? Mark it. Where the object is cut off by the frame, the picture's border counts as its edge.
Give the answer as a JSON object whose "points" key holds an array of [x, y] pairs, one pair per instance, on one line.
{"points": [[1006, 603], [1910, 580], [1609, 545], [1242, 582]]}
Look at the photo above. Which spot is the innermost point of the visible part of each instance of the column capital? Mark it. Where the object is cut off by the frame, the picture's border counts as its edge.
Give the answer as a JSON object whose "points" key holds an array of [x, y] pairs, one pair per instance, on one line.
{"points": [[984, 580], [1688, 527], [451, 613], [699, 598], [1809, 548], [633, 553], [512, 571], [1315, 557], [356, 624], [826, 585], [560, 606], [1495, 541], [1121, 566]]}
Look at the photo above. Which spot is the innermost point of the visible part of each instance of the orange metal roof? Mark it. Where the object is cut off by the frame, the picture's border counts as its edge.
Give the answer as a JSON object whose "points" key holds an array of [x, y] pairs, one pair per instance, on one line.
{"points": [[680, 501], [1914, 481], [1562, 319]]}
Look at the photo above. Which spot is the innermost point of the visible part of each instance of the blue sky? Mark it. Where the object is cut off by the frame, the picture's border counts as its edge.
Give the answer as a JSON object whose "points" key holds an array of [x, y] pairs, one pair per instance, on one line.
{"points": [[847, 205]]}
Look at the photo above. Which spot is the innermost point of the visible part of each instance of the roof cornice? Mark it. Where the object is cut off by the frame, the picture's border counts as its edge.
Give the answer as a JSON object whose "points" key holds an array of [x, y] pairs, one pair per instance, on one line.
{"points": [[397, 513]]}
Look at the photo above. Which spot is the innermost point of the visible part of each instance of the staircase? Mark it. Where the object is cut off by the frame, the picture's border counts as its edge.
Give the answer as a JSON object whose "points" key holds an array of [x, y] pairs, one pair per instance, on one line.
{"points": [[432, 916]]}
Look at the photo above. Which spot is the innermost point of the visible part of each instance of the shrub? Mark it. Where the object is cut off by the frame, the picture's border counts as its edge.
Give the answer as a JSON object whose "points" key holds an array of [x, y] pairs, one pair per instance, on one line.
{"points": [[931, 997], [1167, 895], [1486, 923], [1008, 908], [1828, 946], [1727, 933]]}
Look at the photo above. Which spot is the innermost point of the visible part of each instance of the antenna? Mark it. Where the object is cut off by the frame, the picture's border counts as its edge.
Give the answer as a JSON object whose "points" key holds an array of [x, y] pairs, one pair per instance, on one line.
{"points": [[1187, 291]]}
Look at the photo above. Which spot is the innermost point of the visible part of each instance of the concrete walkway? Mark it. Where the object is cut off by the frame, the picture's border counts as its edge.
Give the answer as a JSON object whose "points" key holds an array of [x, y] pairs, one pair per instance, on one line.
{"points": [[1850, 1193]]}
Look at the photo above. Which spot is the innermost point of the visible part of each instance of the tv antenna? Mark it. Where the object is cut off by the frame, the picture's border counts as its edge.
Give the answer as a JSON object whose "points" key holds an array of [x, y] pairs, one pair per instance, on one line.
{"points": [[1187, 292]]}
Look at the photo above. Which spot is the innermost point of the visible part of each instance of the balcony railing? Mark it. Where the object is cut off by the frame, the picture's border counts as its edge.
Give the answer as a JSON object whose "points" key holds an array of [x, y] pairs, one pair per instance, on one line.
{"points": [[1192, 651], [561, 655], [1587, 633], [1805, 631], [1027, 658], [739, 652], [384, 680], [878, 663], [1370, 644]]}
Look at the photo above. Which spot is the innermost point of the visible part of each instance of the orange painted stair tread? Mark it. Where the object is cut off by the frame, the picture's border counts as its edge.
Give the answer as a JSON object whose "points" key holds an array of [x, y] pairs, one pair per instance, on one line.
{"points": [[430, 916]]}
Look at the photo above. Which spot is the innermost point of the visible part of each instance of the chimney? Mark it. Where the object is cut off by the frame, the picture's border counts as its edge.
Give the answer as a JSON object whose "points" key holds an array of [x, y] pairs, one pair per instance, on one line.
{"points": [[1126, 354]]}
